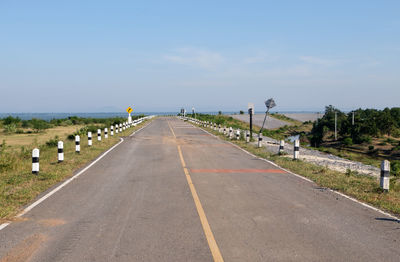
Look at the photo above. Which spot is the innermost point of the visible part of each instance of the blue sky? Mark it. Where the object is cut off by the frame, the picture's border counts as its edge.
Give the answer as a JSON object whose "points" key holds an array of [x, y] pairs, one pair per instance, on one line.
{"points": [[74, 56]]}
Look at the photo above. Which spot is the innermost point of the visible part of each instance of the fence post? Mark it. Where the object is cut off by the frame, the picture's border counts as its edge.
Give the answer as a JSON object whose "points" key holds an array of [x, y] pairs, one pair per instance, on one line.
{"points": [[105, 132], [296, 150], [98, 134], [60, 147], [238, 134], [111, 130], [247, 137], [35, 161], [116, 128], [89, 137], [260, 140], [77, 144], [385, 175], [281, 146], [120, 128]]}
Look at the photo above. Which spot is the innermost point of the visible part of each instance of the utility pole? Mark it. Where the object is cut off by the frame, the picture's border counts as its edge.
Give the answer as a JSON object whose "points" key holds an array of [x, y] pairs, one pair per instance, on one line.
{"points": [[352, 120], [251, 122], [335, 126]]}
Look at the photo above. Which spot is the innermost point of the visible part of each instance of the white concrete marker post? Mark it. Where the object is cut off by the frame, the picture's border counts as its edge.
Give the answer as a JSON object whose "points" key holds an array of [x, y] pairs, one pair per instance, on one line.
{"points": [[77, 144], [105, 132], [230, 132], [60, 147], [281, 146], [111, 130], [120, 128], [296, 151], [98, 134], [35, 161], [89, 138], [247, 136], [129, 118], [116, 128], [260, 140], [238, 134], [385, 175]]}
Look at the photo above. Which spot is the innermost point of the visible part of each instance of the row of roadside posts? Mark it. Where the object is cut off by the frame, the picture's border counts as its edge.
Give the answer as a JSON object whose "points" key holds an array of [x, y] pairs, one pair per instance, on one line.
{"points": [[118, 128], [229, 132]]}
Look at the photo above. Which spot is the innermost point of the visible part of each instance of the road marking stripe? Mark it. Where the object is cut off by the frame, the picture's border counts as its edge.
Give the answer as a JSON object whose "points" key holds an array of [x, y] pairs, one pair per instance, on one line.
{"points": [[40, 200], [276, 171], [203, 218], [309, 180]]}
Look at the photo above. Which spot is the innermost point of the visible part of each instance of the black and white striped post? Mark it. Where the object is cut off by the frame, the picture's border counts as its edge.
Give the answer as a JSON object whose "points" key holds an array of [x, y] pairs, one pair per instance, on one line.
{"points": [[247, 137], [60, 151], [123, 126], [98, 134], [116, 128], [224, 130], [105, 132], [296, 151], [259, 140], [111, 130], [281, 146], [219, 128], [120, 128], [89, 138], [238, 134], [385, 175], [230, 132], [77, 144], [35, 161]]}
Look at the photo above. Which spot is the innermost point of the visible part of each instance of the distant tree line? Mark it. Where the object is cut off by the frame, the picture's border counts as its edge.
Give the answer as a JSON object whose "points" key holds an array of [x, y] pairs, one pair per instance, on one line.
{"points": [[368, 123], [15, 124]]}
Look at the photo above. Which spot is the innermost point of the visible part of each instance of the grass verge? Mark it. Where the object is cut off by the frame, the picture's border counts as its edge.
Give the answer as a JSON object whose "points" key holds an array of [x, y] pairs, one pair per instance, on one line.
{"points": [[363, 188], [19, 187]]}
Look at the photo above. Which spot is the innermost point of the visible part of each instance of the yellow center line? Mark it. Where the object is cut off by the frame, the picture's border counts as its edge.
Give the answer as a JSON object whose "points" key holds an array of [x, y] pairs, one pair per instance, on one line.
{"points": [[203, 218]]}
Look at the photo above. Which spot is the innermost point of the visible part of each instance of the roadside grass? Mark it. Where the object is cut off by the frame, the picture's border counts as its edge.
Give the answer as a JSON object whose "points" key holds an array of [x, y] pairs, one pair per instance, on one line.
{"points": [[18, 186], [26, 139], [361, 187], [353, 156], [286, 119]]}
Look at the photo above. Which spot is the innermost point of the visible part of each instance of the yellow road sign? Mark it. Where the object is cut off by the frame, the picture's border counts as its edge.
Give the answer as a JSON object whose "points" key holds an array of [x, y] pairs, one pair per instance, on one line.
{"points": [[129, 110]]}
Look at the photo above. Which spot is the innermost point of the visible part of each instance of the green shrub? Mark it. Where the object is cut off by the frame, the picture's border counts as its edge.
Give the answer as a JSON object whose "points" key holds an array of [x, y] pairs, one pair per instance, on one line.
{"points": [[395, 167], [348, 141], [371, 148], [52, 142], [10, 128]]}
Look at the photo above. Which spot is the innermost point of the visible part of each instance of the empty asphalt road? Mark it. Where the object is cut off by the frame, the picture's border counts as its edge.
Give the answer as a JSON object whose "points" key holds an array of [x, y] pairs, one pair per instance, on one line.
{"points": [[172, 192]]}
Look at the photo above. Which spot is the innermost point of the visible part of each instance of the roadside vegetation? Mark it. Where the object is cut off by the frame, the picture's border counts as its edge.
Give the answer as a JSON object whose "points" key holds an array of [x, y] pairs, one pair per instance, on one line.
{"points": [[18, 186], [361, 187]]}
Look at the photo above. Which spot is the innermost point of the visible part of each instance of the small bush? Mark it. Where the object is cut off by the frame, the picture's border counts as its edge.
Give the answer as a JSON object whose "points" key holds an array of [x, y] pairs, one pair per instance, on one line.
{"points": [[395, 167], [19, 131], [348, 141], [52, 142], [10, 128], [371, 148], [71, 137]]}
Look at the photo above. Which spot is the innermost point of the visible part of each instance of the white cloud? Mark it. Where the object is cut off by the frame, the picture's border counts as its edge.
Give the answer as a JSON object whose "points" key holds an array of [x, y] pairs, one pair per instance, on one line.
{"points": [[261, 57], [195, 57], [320, 61]]}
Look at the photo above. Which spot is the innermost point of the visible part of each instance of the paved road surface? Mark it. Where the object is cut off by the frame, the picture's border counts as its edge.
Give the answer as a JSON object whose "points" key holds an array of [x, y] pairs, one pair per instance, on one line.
{"points": [[174, 193], [303, 117], [270, 123]]}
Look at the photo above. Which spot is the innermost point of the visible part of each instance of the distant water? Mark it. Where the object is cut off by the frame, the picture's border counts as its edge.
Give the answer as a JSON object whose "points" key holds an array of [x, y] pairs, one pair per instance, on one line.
{"points": [[49, 116]]}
